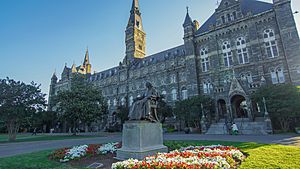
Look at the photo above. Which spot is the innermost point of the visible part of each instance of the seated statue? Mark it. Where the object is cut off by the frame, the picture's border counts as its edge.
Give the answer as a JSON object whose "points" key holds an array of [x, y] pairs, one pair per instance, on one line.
{"points": [[145, 107]]}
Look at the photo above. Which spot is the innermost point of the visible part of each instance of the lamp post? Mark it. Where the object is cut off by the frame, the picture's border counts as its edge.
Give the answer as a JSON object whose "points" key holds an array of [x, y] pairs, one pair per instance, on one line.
{"points": [[269, 128], [265, 106]]}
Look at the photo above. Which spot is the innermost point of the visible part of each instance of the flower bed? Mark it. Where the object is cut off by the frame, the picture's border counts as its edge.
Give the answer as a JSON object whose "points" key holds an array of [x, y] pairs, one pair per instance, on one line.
{"points": [[202, 157], [77, 152]]}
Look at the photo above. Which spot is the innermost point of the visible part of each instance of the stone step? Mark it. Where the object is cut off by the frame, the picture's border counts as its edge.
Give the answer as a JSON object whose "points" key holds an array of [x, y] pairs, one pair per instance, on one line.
{"points": [[245, 127]]}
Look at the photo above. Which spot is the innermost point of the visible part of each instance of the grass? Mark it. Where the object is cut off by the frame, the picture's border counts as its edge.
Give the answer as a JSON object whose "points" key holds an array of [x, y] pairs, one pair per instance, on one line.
{"points": [[260, 156], [41, 137], [37, 160]]}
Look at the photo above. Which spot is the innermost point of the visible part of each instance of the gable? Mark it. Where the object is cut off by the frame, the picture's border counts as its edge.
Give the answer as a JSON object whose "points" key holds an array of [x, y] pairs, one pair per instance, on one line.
{"points": [[227, 3], [247, 6]]}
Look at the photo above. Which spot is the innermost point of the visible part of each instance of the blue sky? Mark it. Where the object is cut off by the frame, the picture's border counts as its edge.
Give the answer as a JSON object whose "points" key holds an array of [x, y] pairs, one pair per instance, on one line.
{"points": [[38, 37]]}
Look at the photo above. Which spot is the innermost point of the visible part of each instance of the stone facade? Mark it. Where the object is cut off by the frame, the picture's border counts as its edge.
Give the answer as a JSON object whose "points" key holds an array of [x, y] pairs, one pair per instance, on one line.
{"points": [[245, 44]]}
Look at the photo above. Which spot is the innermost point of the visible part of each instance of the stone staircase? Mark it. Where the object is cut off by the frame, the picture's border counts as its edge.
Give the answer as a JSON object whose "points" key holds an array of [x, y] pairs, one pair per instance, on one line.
{"points": [[244, 125]]}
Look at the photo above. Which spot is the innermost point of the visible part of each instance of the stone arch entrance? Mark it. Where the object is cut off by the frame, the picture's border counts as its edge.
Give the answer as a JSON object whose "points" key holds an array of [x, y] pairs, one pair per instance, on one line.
{"points": [[222, 108], [239, 104]]}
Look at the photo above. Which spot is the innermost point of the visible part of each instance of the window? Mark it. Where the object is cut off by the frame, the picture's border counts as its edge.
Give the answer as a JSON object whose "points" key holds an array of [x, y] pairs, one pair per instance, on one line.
{"points": [[270, 43], [130, 100], [173, 78], [280, 75], [174, 95], [206, 87], [249, 78], [184, 93], [108, 103], [277, 76], [115, 102], [164, 95], [228, 17], [234, 16], [227, 54], [223, 19], [204, 59], [123, 101], [242, 50]]}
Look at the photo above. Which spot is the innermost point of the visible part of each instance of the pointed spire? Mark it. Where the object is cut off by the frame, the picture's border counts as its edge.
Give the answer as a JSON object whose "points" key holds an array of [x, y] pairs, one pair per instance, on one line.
{"points": [[74, 69], [135, 7], [86, 58], [188, 19], [54, 74], [54, 77]]}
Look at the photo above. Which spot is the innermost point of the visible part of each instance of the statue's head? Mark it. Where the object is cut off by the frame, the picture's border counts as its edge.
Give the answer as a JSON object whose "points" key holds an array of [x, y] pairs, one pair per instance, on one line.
{"points": [[148, 85]]}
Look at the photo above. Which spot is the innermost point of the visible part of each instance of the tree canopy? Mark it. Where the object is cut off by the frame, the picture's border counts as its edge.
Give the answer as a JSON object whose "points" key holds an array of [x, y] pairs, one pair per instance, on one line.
{"points": [[82, 102], [18, 102], [283, 103], [190, 110]]}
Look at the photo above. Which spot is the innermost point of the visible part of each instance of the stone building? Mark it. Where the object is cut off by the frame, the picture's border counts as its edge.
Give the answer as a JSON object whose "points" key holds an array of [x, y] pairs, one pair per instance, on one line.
{"points": [[245, 44]]}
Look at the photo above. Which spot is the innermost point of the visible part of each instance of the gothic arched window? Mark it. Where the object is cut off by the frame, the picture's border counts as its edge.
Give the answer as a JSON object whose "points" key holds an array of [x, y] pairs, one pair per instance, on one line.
{"points": [[123, 100], [206, 87], [270, 43], [227, 54], [174, 95], [164, 95], [184, 93], [108, 103], [115, 102], [130, 100], [277, 75], [204, 59], [242, 50]]}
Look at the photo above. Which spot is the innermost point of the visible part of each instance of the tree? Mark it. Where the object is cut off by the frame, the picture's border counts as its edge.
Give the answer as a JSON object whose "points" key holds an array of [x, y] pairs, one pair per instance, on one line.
{"points": [[122, 113], [163, 110], [282, 103], [18, 102], [190, 110], [83, 102], [43, 119]]}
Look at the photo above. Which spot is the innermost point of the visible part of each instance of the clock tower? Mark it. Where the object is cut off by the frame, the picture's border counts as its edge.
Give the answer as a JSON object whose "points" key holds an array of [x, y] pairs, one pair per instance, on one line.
{"points": [[135, 35]]}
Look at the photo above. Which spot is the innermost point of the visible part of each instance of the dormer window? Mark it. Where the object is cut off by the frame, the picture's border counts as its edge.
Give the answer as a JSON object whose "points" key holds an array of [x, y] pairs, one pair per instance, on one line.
{"points": [[234, 15], [137, 24], [223, 19]]}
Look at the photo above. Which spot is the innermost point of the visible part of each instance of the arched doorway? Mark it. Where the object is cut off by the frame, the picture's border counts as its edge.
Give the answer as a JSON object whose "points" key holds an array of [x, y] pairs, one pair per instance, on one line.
{"points": [[239, 106], [222, 108]]}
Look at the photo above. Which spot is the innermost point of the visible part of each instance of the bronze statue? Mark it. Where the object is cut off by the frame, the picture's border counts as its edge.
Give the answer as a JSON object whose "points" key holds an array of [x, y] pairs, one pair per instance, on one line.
{"points": [[145, 107]]}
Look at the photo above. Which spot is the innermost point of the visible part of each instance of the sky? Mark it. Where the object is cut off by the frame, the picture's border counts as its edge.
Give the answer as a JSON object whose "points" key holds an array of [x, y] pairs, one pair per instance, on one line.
{"points": [[38, 37]]}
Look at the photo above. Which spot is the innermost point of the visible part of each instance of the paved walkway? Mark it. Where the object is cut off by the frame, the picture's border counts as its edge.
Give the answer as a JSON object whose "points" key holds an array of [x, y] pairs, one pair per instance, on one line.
{"points": [[12, 149]]}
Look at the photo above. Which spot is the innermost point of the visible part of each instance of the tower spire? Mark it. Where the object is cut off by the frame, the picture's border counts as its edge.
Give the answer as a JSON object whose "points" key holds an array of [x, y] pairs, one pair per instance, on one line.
{"points": [[86, 58], [135, 35], [188, 19], [86, 63], [135, 6]]}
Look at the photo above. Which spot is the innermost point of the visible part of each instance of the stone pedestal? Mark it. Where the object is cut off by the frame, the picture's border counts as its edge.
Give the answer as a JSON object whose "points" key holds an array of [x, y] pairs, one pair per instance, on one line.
{"points": [[141, 139]]}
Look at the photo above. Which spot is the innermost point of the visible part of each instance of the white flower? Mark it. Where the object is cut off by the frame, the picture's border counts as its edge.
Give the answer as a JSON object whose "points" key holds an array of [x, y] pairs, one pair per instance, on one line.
{"points": [[108, 148]]}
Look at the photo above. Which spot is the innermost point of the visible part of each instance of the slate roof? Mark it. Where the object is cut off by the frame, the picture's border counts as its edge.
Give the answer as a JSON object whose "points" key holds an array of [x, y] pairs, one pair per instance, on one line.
{"points": [[253, 6], [139, 63], [187, 20]]}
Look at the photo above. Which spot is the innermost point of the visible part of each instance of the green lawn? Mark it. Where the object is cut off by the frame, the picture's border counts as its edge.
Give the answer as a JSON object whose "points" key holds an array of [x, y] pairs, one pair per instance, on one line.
{"points": [[41, 137], [260, 156], [37, 160]]}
